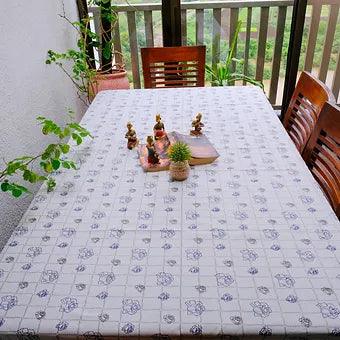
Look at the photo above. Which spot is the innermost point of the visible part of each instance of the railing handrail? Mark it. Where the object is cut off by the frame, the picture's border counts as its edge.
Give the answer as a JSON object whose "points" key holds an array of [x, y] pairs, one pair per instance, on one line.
{"points": [[202, 5], [218, 9]]}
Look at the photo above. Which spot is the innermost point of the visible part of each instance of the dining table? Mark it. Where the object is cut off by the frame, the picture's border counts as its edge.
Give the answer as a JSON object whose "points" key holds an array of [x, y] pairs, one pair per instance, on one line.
{"points": [[247, 246]]}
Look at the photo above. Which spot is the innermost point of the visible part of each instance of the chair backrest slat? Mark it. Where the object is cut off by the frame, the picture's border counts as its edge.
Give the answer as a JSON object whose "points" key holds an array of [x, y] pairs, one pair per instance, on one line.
{"points": [[322, 153], [308, 98], [182, 66]]}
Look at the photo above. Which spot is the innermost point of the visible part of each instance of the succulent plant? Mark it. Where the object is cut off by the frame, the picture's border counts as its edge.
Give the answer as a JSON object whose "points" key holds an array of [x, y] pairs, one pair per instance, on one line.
{"points": [[179, 152]]}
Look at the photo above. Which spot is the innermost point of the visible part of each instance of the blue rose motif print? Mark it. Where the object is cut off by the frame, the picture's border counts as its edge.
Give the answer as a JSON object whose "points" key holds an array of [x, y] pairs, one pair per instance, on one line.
{"points": [[236, 320], [196, 330], [169, 199], [191, 215], [193, 254], [7, 302], [130, 306], [328, 310], [218, 233], [324, 234], [167, 233], [289, 215], [61, 326], [306, 199], [144, 215], [261, 309], [306, 322], [249, 255], [285, 281], [271, 234], [139, 254], [85, 253], [116, 233], [169, 318], [68, 304], [33, 252], [106, 278], [240, 215], [306, 255], [224, 280], [164, 279], [49, 276], [128, 328], [26, 334], [195, 307]]}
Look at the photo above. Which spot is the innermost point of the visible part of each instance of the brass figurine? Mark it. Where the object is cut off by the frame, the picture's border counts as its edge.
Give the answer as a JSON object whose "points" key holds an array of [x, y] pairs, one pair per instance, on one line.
{"points": [[197, 125], [158, 129], [131, 136], [153, 157]]}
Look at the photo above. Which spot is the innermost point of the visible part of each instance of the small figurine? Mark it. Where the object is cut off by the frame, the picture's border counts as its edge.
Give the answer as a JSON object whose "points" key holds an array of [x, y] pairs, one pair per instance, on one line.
{"points": [[197, 125], [158, 129], [153, 157], [131, 136]]}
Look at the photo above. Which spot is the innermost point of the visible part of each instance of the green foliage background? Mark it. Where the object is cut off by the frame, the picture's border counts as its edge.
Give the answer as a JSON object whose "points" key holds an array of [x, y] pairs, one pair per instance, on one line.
{"points": [[191, 40]]}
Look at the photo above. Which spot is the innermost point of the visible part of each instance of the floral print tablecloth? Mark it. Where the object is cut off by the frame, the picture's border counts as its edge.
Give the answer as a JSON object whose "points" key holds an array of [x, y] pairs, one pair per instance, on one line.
{"points": [[246, 246]]}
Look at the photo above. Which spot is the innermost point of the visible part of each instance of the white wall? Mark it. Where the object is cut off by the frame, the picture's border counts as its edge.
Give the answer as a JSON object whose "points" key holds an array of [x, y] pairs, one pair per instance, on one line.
{"points": [[28, 87]]}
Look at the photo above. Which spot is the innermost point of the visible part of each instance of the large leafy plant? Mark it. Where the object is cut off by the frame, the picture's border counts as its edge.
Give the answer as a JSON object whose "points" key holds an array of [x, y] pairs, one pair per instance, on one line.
{"points": [[84, 63], [222, 73], [53, 157]]}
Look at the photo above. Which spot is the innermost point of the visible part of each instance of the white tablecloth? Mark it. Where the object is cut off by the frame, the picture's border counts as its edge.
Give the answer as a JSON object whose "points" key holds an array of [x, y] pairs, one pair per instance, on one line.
{"points": [[247, 245]]}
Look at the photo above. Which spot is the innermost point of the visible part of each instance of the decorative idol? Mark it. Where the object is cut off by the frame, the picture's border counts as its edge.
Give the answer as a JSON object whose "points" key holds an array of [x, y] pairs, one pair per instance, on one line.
{"points": [[153, 157], [197, 125], [131, 136], [158, 129]]}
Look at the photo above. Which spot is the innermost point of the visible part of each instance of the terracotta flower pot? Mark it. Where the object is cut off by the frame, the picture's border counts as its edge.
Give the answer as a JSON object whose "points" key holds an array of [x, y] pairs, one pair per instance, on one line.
{"points": [[179, 171], [117, 80]]}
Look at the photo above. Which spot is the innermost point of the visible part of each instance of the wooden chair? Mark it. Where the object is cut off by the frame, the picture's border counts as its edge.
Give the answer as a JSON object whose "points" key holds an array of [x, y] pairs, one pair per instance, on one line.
{"points": [[173, 66], [304, 108], [322, 154]]}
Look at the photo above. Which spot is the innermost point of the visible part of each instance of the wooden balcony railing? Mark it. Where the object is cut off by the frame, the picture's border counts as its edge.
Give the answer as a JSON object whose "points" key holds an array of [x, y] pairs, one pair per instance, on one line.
{"points": [[262, 43]]}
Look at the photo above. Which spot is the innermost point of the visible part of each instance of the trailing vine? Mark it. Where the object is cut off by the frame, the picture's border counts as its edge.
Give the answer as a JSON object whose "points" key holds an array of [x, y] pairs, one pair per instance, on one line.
{"points": [[52, 158]]}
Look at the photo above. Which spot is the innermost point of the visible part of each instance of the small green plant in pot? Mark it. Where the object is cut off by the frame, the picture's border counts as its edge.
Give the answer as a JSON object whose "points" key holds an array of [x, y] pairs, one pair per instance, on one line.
{"points": [[179, 154], [222, 74]]}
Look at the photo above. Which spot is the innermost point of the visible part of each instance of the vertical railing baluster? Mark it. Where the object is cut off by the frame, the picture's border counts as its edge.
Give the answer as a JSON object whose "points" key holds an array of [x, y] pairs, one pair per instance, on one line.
{"points": [[336, 79], [216, 36], [233, 24], [184, 26], [261, 52], [281, 21], [131, 18], [247, 44], [116, 43], [97, 29], [313, 32], [199, 26], [148, 28], [327, 50]]}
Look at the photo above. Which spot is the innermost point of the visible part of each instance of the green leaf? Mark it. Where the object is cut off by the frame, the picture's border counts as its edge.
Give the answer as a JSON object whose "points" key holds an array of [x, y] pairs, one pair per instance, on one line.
{"points": [[77, 138], [66, 165], [5, 186], [16, 192], [55, 164], [65, 148]]}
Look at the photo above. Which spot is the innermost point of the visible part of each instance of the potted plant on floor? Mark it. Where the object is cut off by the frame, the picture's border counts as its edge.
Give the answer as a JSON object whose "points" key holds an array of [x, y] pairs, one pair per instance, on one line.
{"points": [[88, 73], [179, 154], [222, 73]]}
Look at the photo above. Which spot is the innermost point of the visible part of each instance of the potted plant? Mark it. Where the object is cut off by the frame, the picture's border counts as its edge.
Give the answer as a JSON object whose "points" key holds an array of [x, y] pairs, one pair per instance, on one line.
{"points": [[89, 74], [179, 153], [222, 73]]}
